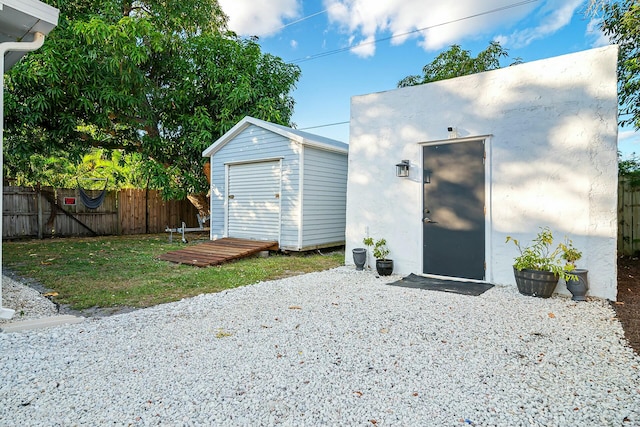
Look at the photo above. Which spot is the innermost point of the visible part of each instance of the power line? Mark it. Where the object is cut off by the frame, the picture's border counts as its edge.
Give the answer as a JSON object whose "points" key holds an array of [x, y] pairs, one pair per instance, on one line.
{"points": [[345, 49], [333, 52], [324, 126], [304, 18]]}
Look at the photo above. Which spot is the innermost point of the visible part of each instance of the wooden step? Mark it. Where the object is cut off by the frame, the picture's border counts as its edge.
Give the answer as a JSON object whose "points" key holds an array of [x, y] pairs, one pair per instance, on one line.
{"points": [[218, 251]]}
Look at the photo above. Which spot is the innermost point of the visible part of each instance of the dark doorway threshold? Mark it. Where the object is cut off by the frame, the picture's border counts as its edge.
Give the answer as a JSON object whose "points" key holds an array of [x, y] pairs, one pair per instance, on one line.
{"points": [[443, 285]]}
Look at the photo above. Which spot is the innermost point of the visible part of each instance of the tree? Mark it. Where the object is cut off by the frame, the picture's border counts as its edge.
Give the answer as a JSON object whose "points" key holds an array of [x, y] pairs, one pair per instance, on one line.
{"points": [[57, 170], [162, 78], [457, 62], [621, 23], [629, 170]]}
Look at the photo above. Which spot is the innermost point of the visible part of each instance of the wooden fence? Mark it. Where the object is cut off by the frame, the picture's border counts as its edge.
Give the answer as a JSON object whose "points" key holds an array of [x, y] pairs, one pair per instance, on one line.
{"points": [[29, 213], [48, 212], [628, 219]]}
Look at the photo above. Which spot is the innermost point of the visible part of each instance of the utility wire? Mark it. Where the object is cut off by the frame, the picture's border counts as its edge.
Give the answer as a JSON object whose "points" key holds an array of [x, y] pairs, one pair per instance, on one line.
{"points": [[345, 49], [304, 18], [333, 52], [324, 126]]}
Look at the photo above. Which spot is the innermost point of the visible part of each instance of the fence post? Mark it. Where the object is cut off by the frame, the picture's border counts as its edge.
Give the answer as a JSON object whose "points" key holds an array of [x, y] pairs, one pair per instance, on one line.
{"points": [[39, 206], [118, 228]]}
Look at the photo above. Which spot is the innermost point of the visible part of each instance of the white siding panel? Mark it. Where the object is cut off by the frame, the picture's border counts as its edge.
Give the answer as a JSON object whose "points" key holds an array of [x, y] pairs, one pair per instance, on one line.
{"points": [[254, 200], [324, 192]]}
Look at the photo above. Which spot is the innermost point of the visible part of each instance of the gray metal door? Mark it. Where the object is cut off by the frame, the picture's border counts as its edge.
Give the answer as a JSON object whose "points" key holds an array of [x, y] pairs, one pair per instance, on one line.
{"points": [[254, 201], [454, 201]]}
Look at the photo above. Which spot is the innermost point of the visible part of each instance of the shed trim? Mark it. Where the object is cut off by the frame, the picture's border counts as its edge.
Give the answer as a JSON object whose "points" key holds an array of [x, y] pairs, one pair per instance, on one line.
{"points": [[260, 160], [301, 195], [295, 135]]}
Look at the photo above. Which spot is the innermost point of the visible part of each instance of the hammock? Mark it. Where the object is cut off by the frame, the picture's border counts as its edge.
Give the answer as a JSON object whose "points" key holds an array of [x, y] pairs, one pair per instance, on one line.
{"points": [[92, 202]]}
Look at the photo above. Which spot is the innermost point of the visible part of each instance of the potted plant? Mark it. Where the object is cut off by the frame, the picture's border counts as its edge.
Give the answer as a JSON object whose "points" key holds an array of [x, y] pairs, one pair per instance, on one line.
{"points": [[384, 266], [577, 282], [540, 265]]}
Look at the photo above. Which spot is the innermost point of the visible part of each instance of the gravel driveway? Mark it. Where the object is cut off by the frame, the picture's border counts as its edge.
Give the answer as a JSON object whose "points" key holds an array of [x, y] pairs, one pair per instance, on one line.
{"points": [[332, 348]]}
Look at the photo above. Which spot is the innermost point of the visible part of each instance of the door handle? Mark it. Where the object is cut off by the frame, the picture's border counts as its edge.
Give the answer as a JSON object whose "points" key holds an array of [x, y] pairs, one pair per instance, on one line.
{"points": [[427, 220]]}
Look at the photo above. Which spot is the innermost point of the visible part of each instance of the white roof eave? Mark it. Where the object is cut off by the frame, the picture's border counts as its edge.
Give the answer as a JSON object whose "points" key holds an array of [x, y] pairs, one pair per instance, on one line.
{"points": [[20, 20]]}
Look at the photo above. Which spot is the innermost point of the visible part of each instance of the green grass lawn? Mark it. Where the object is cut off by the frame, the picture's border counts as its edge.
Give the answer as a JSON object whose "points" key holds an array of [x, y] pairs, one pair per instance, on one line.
{"points": [[119, 271]]}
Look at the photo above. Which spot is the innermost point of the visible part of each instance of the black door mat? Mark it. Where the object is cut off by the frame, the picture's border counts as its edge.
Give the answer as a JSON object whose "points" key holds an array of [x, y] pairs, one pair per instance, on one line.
{"points": [[444, 285]]}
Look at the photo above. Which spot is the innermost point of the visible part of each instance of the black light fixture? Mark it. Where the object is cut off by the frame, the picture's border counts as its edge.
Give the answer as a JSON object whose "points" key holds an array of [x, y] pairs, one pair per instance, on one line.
{"points": [[402, 169]]}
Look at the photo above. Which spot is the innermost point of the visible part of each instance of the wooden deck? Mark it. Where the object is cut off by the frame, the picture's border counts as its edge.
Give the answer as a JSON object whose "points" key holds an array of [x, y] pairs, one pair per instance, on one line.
{"points": [[218, 251]]}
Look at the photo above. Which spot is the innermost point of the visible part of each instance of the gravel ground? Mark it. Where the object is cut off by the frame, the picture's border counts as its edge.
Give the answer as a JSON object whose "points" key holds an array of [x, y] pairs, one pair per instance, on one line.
{"points": [[332, 348], [26, 301]]}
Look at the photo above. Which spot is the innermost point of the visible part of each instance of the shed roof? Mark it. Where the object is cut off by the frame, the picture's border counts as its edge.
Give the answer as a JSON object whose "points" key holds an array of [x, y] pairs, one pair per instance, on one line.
{"points": [[298, 136]]}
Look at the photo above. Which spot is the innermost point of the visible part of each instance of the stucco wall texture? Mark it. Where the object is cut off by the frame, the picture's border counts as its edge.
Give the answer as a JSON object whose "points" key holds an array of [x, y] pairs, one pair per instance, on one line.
{"points": [[550, 128]]}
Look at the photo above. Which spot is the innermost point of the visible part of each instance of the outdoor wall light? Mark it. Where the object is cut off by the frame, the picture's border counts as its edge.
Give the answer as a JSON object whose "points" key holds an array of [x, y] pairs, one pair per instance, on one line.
{"points": [[402, 169]]}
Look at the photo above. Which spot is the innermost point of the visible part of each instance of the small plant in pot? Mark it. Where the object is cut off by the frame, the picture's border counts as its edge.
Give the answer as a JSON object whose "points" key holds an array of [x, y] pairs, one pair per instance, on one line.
{"points": [[384, 266], [540, 265], [577, 282]]}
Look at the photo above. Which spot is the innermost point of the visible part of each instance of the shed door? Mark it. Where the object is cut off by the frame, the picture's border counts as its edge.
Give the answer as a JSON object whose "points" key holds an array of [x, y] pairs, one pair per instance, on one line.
{"points": [[254, 201], [454, 200]]}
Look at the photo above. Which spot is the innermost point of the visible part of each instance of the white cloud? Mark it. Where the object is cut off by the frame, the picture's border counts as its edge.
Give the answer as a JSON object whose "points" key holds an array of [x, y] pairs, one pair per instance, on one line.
{"points": [[366, 48], [259, 18], [628, 142], [433, 24], [554, 15], [595, 34], [629, 136]]}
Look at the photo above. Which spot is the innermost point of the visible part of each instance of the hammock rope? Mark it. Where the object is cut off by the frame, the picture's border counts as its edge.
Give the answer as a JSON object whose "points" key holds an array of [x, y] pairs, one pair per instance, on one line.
{"points": [[92, 202]]}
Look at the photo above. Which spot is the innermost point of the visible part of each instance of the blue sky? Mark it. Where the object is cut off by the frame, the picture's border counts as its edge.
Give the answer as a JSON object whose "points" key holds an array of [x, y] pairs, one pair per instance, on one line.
{"points": [[355, 47]]}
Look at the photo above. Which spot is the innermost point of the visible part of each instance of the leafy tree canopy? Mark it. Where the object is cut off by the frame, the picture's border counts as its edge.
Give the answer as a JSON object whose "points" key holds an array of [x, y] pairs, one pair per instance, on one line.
{"points": [[162, 78], [629, 169], [57, 170], [457, 62], [621, 23]]}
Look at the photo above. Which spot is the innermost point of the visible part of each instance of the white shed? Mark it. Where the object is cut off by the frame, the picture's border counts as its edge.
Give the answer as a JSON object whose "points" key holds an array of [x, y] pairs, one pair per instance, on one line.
{"points": [[490, 155], [271, 182]]}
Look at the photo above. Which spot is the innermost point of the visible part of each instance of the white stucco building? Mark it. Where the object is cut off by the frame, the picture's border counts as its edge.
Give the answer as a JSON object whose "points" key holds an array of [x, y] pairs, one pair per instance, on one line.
{"points": [[499, 153]]}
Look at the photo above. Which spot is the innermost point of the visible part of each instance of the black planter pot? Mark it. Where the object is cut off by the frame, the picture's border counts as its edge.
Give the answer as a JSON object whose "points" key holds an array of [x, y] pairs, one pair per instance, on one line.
{"points": [[579, 287], [384, 267], [535, 283], [359, 257]]}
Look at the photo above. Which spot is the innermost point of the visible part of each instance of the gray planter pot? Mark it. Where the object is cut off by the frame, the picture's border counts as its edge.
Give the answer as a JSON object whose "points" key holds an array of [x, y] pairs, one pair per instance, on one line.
{"points": [[536, 283], [579, 288], [359, 257]]}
